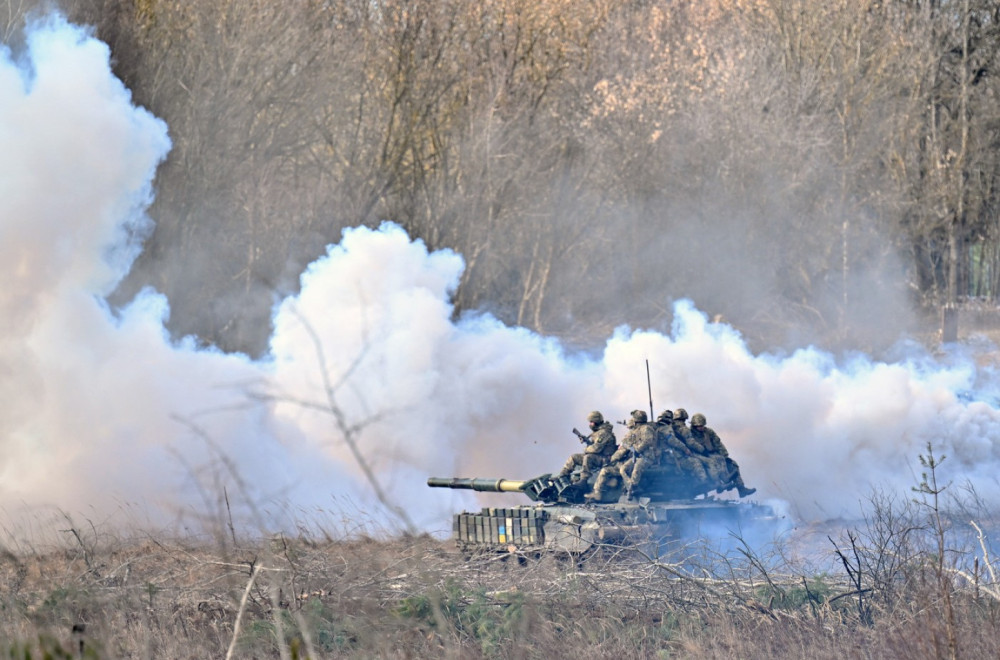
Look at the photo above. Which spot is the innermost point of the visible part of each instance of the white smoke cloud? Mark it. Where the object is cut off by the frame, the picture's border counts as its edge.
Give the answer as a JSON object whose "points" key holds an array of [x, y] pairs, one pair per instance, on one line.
{"points": [[103, 413], [91, 399], [822, 433]]}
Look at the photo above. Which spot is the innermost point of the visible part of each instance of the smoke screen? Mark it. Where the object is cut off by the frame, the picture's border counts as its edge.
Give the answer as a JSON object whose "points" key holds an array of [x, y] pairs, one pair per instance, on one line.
{"points": [[105, 415]]}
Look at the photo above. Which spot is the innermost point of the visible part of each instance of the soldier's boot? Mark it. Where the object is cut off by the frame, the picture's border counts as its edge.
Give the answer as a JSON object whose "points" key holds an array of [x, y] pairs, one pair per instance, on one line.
{"points": [[741, 487], [598, 492]]}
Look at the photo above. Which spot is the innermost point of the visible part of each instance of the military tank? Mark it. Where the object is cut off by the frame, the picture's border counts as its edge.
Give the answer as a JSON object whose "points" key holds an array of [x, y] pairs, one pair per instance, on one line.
{"points": [[667, 506]]}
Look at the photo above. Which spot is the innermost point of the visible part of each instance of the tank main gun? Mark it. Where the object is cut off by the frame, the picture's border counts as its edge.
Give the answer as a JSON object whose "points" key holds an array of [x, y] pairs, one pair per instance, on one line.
{"points": [[481, 485], [542, 488]]}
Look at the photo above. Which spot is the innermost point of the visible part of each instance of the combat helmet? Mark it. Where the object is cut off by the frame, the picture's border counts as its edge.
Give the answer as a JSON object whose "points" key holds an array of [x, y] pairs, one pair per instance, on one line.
{"points": [[639, 416], [595, 416], [680, 415], [665, 417], [698, 419]]}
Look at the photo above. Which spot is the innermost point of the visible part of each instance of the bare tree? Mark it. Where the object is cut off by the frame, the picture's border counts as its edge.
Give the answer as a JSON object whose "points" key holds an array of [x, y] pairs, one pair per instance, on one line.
{"points": [[797, 151]]}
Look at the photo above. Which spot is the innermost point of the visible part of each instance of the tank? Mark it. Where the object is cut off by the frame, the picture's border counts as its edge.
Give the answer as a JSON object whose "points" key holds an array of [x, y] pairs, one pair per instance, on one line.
{"points": [[666, 507]]}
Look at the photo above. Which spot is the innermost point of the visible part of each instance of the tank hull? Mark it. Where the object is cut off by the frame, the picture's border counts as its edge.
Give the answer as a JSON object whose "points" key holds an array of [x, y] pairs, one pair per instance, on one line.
{"points": [[580, 529]]}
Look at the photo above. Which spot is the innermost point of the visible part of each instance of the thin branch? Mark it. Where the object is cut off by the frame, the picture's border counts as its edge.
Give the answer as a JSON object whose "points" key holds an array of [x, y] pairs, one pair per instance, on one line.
{"points": [[239, 614], [348, 431]]}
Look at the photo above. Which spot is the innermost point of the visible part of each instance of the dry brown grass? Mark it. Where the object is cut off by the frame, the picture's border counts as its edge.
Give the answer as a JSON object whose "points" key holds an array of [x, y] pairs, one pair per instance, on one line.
{"points": [[410, 597]]}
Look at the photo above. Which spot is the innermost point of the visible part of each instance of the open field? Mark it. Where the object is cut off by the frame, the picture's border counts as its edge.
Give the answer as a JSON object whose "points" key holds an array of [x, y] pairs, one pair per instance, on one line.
{"points": [[871, 590]]}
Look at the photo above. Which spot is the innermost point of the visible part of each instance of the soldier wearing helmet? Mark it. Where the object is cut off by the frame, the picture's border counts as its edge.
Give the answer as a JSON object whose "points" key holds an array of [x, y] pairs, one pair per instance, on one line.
{"points": [[680, 421], [679, 427], [676, 447], [723, 470], [639, 450], [669, 441], [600, 445]]}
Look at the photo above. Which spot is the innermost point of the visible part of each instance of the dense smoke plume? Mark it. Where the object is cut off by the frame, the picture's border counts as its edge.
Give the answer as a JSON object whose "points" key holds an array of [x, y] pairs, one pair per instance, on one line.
{"points": [[104, 415]]}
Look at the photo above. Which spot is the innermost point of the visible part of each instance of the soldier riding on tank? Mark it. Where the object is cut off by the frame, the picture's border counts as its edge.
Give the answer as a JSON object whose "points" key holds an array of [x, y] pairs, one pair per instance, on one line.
{"points": [[677, 448], [640, 450], [721, 469], [600, 446], [679, 423]]}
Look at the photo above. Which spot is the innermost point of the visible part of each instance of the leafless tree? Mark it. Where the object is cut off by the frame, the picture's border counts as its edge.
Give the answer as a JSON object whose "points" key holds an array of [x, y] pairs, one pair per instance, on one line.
{"points": [[591, 160]]}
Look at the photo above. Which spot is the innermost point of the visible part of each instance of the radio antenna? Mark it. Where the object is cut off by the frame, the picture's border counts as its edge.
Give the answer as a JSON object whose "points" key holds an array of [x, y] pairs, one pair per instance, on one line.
{"points": [[649, 386]]}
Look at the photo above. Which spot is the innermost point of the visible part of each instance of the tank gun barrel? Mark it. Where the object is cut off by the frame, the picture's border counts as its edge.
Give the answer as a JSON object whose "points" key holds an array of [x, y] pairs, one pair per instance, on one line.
{"points": [[482, 485]]}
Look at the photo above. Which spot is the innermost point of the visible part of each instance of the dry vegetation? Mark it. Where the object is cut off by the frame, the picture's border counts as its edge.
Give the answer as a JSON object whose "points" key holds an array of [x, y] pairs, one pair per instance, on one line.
{"points": [[911, 580], [569, 134], [806, 169]]}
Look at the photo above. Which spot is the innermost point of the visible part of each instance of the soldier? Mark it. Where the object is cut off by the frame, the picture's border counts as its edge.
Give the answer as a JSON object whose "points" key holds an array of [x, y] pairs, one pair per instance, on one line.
{"points": [[669, 442], [721, 468], [679, 447], [679, 423], [639, 450], [600, 445], [682, 432]]}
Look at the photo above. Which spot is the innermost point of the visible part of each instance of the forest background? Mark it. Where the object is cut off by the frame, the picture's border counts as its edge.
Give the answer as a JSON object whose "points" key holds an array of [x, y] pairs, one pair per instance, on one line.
{"points": [[809, 171]]}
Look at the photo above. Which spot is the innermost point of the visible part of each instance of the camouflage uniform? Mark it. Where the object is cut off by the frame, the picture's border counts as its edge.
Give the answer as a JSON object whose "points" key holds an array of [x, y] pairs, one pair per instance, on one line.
{"points": [[678, 424], [677, 448], [601, 444], [639, 450], [700, 450], [721, 469]]}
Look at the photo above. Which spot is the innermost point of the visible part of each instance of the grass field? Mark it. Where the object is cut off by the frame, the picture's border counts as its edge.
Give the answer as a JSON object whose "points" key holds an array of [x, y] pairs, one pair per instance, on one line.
{"points": [[911, 580]]}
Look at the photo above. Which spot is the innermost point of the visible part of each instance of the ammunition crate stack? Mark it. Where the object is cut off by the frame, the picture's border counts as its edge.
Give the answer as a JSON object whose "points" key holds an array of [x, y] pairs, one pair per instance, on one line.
{"points": [[498, 527]]}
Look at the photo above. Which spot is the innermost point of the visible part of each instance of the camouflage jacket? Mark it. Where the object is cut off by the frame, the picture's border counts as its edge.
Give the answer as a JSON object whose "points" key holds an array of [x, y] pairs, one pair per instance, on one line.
{"points": [[694, 445], [710, 440], [670, 442], [643, 439], [602, 441]]}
